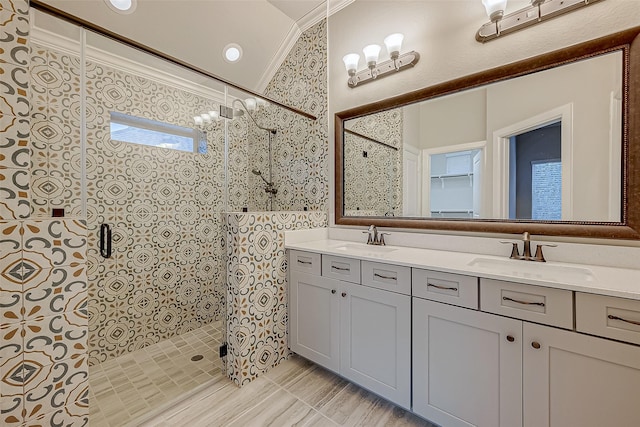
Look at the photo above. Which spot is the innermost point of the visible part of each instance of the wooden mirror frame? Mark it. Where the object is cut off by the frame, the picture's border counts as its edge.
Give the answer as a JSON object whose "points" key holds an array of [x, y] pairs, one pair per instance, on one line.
{"points": [[628, 228]]}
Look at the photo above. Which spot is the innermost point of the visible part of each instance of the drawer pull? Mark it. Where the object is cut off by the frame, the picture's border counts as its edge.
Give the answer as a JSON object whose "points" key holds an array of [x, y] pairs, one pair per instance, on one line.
{"points": [[612, 317], [541, 304], [446, 288], [333, 291], [304, 262], [340, 268], [344, 294], [510, 338], [536, 345], [384, 277]]}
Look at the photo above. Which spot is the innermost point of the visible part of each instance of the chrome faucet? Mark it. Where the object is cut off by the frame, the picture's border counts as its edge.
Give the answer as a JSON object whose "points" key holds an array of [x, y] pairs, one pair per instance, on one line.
{"points": [[375, 238], [526, 249]]}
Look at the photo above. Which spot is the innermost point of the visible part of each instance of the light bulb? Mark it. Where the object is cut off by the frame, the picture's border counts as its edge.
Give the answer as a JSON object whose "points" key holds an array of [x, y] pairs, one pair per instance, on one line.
{"points": [[250, 103], [495, 8], [198, 120], [206, 118], [214, 115], [394, 43], [351, 62], [371, 53], [261, 103]]}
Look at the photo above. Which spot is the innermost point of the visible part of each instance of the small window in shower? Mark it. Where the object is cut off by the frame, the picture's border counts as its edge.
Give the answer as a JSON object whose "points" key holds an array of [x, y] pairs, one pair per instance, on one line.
{"points": [[138, 130]]}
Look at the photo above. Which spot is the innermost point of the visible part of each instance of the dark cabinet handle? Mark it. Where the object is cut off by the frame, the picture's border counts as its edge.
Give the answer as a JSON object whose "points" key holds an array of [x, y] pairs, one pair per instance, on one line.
{"points": [[105, 240], [541, 304], [339, 268], [445, 288], [333, 291], [304, 262], [633, 322], [384, 277]]}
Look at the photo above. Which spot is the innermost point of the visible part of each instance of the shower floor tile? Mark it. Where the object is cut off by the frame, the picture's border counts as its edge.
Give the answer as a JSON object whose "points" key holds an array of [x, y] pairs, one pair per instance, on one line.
{"points": [[143, 389], [145, 381]]}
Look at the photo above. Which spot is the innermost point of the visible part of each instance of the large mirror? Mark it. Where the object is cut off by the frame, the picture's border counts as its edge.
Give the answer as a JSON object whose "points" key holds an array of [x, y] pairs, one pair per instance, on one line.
{"points": [[547, 145]]}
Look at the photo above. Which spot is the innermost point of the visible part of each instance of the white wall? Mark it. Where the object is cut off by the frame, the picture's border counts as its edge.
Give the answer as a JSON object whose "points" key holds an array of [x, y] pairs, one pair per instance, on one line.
{"points": [[454, 119], [443, 32]]}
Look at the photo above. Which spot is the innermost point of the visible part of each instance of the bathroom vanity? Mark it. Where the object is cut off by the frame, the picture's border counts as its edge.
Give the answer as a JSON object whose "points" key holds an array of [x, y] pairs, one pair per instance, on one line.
{"points": [[469, 340]]}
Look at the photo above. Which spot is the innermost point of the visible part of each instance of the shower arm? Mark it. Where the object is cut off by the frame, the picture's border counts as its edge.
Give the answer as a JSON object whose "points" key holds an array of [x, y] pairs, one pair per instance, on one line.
{"points": [[273, 131]]}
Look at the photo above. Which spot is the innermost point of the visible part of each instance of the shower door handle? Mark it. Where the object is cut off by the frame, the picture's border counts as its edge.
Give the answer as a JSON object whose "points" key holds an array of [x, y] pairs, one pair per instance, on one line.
{"points": [[105, 240]]}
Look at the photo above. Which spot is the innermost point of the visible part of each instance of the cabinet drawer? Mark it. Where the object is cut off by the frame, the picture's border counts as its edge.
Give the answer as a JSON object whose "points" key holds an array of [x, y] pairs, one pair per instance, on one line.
{"points": [[528, 302], [306, 262], [609, 317], [386, 276], [445, 287], [340, 268]]}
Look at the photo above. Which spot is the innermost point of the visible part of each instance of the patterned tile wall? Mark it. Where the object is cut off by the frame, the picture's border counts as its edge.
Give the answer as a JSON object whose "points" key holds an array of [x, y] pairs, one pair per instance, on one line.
{"points": [[43, 314], [367, 190], [300, 148], [14, 110], [166, 275], [55, 133], [257, 289], [43, 323]]}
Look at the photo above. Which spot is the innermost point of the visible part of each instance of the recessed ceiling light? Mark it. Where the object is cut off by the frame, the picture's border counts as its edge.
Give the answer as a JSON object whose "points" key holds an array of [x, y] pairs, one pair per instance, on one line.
{"points": [[121, 6], [232, 52]]}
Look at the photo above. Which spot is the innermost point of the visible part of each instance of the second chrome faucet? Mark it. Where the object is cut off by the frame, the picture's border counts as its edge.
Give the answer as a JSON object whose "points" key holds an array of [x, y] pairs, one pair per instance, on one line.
{"points": [[526, 249]]}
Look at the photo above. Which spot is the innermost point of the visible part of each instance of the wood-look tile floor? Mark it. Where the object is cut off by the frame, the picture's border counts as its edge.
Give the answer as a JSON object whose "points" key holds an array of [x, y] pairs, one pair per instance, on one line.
{"points": [[295, 393], [145, 381]]}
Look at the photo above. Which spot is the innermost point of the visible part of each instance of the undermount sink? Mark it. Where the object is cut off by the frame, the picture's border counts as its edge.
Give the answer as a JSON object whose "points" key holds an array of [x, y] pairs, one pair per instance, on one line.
{"points": [[362, 249], [533, 270]]}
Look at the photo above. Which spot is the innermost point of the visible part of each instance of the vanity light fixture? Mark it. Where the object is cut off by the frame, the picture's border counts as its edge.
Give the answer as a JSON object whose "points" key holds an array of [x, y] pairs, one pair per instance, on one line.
{"points": [[377, 70], [538, 11], [123, 7], [205, 119]]}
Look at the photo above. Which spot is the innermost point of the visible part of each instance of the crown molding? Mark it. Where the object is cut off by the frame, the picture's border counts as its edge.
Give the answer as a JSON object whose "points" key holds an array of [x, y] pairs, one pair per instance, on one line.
{"points": [[278, 59], [298, 28], [336, 6], [69, 46]]}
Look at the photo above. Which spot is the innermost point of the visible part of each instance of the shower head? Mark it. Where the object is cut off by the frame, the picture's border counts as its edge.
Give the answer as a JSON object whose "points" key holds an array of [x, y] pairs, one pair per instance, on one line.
{"points": [[257, 172]]}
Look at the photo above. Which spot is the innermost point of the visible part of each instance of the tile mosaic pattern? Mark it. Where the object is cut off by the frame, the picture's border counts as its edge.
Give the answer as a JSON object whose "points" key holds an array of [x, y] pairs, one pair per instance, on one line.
{"points": [[56, 156], [165, 277], [257, 289], [141, 383], [43, 322], [300, 147], [14, 110], [296, 393], [367, 190]]}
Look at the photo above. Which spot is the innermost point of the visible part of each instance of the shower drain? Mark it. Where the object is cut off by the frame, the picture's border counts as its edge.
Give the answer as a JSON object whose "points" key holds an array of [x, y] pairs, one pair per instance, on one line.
{"points": [[197, 357]]}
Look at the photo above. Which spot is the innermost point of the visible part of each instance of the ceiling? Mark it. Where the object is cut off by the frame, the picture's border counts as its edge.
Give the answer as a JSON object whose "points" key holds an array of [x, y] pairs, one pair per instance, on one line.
{"points": [[196, 31]]}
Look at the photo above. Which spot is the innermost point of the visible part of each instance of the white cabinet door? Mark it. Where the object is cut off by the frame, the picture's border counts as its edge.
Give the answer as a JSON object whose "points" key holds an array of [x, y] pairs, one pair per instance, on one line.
{"points": [[578, 380], [375, 345], [467, 366], [314, 309]]}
